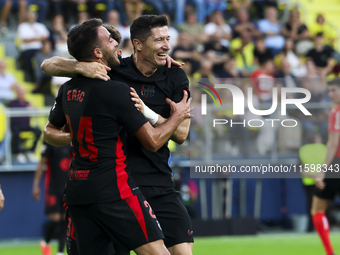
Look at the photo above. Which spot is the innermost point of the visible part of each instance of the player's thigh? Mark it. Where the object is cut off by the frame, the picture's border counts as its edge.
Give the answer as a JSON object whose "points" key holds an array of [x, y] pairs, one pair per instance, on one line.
{"points": [[181, 249], [90, 238], [152, 248], [129, 221], [170, 210]]}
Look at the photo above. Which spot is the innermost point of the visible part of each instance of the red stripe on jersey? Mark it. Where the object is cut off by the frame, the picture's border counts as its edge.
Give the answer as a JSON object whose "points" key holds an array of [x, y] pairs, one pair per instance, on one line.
{"points": [[122, 175], [334, 125], [137, 210]]}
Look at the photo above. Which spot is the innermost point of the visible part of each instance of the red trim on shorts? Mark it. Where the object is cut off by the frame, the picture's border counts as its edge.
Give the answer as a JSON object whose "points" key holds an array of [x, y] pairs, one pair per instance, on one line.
{"points": [[133, 202], [122, 176]]}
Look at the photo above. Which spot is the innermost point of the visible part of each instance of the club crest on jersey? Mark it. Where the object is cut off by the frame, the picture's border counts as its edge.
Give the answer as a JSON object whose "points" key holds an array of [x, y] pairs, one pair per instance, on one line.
{"points": [[148, 91]]}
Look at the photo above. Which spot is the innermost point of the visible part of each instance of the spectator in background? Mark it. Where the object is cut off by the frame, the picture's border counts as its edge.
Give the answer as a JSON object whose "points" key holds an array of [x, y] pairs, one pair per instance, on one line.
{"points": [[295, 29], [183, 8], [311, 70], [261, 51], [272, 30], [297, 68], [57, 161], [113, 18], [240, 4], [320, 26], [2, 199], [127, 48], [8, 84], [205, 72], [321, 56], [217, 54], [263, 80], [134, 9], [230, 70], [186, 51], [285, 76], [262, 5], [193, 29], [58, 36], [19, 124], [43, 83], [244, 24], [82, 17], [217, 29], [242, 49], [32, 34], [68, 8], [6, 8]]}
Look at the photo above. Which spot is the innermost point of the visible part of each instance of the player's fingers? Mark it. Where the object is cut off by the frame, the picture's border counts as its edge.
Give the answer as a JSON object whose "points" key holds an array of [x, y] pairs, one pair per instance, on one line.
{"points": [[133, 90], [168, 100], [185, 95]]}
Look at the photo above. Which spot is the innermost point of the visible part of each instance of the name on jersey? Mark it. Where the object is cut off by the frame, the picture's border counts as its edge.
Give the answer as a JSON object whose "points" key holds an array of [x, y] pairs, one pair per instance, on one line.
{"points": [[75, 95], [79, 175]]}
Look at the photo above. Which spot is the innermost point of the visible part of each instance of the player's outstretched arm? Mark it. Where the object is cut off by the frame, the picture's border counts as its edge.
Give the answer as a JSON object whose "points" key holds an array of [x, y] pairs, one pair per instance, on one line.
{"points": [[2, 199], [37, 177], [58, 66], [55, 136], [154, 138]]}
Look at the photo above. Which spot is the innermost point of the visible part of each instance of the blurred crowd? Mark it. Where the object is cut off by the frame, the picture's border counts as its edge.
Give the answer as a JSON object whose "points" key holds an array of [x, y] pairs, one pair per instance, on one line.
{"points": [[218, 40]]}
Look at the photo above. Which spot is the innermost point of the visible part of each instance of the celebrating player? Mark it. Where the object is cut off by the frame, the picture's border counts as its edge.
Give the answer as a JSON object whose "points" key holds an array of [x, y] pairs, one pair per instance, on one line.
{"points": [[146, 72], [328, 184], [102, 198]]}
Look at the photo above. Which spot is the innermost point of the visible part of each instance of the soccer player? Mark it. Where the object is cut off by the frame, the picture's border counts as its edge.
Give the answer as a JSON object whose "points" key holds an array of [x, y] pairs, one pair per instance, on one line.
{"points": [[57, 160], [146, 72], [102, 198], [328, 184]]}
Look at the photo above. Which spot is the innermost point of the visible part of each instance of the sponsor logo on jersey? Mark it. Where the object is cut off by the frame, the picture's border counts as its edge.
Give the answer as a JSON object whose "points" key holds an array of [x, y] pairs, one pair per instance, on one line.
{"points": [[148, 91], [79, 175], [190, 232]]}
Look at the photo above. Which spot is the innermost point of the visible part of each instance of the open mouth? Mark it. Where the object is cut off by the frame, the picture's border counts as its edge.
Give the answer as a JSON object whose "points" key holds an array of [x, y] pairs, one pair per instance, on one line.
{"points": [[162, 56]]}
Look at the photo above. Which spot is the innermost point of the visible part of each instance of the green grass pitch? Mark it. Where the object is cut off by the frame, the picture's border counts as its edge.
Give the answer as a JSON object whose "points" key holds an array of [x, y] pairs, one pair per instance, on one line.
{"points": [[263, 244]]}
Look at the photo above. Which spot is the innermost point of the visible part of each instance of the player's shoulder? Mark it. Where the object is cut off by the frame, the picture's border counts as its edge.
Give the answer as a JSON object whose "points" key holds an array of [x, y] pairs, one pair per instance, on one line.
{"points": [[175, 72], [335, 109]]}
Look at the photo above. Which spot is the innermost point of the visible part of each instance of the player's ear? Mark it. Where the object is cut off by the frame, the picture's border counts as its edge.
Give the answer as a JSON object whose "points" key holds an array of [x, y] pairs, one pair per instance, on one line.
{"points": [[98, 53], [137, 44]]}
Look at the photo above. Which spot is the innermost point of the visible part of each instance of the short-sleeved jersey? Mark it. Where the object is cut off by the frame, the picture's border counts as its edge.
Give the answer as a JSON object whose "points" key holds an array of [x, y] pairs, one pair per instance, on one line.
{"points": [[334, 124], [98, 115], [58, 164], [151, 168]]}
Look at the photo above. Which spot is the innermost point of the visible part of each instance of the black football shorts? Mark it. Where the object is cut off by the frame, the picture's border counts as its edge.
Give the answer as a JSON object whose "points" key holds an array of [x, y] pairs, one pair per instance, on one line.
{"points": [[171, 213], [131, 222], [54, 201], [332, 185]]}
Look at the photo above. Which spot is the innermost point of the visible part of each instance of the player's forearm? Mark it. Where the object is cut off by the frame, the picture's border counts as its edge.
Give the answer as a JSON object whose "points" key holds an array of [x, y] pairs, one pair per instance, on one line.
{"points": [[58, 66], [56, 137], [38, 174], [332, 147], [181, 132]]}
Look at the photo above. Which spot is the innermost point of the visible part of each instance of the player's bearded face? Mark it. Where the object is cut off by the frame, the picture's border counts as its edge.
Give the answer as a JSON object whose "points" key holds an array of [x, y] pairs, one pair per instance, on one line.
{"points": [[157, 46]]}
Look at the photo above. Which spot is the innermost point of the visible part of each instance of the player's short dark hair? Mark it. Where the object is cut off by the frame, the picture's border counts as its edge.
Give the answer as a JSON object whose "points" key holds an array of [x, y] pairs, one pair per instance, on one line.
{"points": [[141, 27], [115, 34], [335, 82], [83, 39]]}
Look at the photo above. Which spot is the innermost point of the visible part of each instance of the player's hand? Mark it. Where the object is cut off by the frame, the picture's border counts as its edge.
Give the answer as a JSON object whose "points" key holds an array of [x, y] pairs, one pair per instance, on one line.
{"points": [[94, 70], [170, 61], [2, 199], [182, 108], [138, 102], [319, 183], [36, 193]]}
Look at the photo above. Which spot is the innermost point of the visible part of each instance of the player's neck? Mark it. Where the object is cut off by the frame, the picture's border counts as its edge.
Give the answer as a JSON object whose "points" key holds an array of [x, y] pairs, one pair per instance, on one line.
{"points": [[143, 66]]}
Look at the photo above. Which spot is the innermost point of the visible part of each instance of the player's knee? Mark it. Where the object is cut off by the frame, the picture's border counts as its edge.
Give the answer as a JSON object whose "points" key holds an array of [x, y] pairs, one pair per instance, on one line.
{"points": [[181, 249]]}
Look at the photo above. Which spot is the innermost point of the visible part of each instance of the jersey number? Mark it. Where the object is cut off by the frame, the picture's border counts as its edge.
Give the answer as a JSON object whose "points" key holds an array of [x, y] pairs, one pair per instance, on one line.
{"points": [[85, 131]]}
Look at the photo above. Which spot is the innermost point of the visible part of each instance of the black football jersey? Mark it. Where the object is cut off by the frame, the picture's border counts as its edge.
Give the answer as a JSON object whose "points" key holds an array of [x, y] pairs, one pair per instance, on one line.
{"points": [[151, 168], [99, 114]]}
